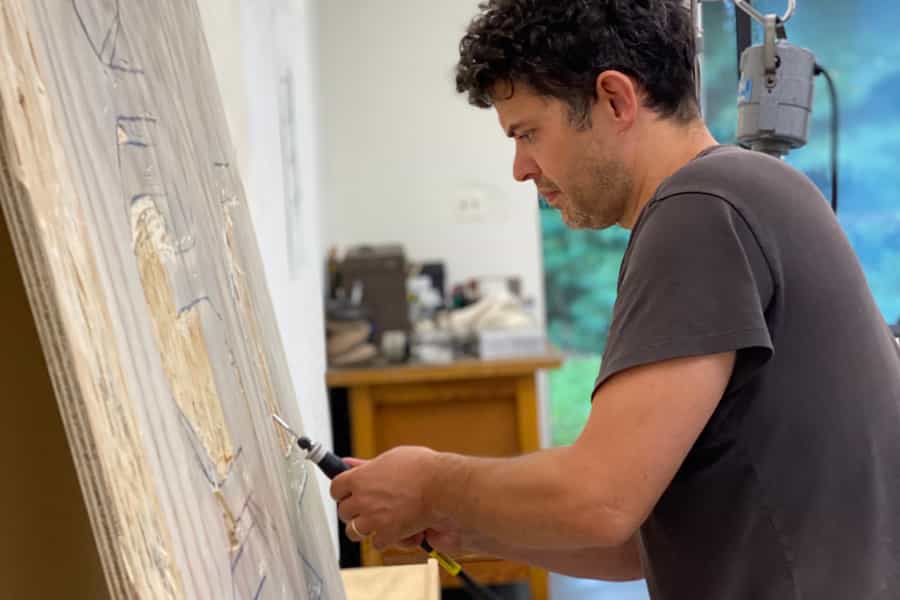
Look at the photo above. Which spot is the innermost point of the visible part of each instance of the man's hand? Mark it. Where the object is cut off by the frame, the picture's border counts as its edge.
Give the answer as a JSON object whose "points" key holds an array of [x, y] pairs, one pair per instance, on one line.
{"points": [[448, 540], [385, 498]]}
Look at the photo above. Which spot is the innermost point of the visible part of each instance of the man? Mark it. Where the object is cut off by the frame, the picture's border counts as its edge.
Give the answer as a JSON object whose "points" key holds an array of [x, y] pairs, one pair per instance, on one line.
{"points": [[744, 437]]}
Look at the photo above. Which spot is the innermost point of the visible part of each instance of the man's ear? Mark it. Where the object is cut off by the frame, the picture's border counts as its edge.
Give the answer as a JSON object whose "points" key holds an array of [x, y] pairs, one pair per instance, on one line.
{"points": [[617, 98]]}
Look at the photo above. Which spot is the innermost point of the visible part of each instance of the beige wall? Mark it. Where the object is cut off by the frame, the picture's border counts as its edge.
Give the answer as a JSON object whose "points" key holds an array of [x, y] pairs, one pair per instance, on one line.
{"points": [[253, 43]]}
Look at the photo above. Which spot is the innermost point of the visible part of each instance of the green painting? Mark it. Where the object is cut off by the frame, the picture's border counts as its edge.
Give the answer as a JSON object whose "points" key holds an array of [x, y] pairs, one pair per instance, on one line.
{"points": [[857, 42]]}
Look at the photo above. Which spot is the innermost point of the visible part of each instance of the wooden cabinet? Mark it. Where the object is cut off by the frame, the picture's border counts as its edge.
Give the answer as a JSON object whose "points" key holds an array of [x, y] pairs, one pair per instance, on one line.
{"points": [[480, 408]]}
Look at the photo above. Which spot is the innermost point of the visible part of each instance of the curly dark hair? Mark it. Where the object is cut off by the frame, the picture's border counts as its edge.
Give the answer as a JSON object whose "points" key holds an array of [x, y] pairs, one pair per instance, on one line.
{"points": [[558, 47]]}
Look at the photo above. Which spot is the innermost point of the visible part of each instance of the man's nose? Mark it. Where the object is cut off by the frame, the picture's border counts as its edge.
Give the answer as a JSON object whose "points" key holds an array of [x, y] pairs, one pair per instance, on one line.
{"points": [[524, 167]]}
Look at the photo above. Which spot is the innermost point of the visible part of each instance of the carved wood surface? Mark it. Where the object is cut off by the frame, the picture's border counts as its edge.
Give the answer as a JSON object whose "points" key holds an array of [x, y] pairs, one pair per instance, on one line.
{"points": [[135, 244]]}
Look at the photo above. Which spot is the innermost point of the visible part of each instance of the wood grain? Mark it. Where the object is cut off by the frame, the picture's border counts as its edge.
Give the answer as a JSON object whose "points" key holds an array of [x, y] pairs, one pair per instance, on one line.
{"points": [[137, 252]]}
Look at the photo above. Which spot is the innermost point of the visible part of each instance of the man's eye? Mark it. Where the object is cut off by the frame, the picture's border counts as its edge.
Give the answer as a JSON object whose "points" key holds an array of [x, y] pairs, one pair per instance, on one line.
{"points": [[528, 136]]}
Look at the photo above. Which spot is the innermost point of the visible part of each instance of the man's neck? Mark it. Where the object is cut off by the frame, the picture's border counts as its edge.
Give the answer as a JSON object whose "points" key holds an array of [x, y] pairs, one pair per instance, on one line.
{"points": [[676, 145]]}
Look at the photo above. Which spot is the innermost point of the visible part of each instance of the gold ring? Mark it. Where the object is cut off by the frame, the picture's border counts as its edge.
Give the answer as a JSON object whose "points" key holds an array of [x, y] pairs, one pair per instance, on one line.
{"points": [[355, 530]]}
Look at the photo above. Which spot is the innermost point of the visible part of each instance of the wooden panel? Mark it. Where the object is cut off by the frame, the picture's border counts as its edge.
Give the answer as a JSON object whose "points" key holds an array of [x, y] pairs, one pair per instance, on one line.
{"points": [[397, 556], [539, 583], [482, 408], [480, 389], [527, 414], [134, 241], [486, 570], [363, 422], [476, 418], [489, 572]]}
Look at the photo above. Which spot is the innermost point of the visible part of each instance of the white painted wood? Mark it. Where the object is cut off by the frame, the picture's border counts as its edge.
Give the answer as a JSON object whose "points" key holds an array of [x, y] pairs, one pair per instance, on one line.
{"points": [[136, 247]]}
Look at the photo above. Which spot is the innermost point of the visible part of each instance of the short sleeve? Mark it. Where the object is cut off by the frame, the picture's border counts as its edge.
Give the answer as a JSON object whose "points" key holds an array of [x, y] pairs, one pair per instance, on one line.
{"points": [[694, 281]]}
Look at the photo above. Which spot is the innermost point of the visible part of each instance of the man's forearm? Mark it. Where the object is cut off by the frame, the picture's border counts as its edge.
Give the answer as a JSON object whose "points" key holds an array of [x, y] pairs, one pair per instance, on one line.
{"points": [[541, 500], [620, 563]]}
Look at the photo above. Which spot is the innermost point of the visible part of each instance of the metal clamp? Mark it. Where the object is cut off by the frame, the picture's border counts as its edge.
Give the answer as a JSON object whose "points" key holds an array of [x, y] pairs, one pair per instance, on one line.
{"points": [[770, 57], [761, 18], [773, 28]]}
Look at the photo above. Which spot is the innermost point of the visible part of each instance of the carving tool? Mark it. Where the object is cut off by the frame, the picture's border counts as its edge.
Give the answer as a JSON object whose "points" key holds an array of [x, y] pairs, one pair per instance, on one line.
{"points": [[332, 465]]}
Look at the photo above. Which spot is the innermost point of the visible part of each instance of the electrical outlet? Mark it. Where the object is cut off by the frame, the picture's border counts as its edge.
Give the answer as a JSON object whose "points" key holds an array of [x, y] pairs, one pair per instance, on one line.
{"points": [[470, 206]]}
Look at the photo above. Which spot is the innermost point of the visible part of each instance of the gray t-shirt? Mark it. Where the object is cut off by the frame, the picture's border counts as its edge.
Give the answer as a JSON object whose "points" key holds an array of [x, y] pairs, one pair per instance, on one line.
{"points": [[792, 491]]}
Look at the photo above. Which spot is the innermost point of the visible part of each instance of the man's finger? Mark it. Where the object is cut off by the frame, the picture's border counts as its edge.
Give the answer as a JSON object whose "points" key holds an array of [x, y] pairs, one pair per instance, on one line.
{"points": [[388, 534], [354, 462], [341, 486], [356, 530], [413, 541], [381, 542], [349, 508]]}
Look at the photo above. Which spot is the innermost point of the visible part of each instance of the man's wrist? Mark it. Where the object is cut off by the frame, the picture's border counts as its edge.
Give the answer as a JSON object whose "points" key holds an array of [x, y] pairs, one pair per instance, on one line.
{"points": [[448, 485]]}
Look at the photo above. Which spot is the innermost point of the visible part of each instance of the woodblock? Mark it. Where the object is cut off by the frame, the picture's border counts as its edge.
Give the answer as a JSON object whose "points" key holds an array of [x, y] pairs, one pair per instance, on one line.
{"points": [[135, 246]]}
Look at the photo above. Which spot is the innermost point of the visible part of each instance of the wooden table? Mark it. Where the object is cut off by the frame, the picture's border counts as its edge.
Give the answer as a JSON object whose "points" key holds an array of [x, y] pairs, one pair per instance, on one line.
{"points": [[474, 407]]}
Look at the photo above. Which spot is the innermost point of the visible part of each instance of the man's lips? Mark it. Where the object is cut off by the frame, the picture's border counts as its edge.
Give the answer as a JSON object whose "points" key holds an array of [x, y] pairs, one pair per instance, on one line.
{"points": [[550, 196]]}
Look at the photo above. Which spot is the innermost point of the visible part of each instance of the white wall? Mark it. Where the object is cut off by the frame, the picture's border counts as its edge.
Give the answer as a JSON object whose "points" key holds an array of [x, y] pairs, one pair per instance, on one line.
{"points": [[386, 150], [252, 44], [402, 148]]}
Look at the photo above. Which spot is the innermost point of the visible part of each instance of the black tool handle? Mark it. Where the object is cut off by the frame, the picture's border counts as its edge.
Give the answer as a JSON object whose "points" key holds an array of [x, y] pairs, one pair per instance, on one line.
{"points": [[332, 465]]}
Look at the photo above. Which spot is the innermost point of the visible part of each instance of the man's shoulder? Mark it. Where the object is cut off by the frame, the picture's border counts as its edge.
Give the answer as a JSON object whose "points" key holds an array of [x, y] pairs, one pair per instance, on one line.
{"points": [[763, 190], [724, 171]]}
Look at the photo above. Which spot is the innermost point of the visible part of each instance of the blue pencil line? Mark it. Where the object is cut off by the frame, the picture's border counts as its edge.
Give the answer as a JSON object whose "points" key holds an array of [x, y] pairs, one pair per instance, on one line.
{"points": [[259, 589]]}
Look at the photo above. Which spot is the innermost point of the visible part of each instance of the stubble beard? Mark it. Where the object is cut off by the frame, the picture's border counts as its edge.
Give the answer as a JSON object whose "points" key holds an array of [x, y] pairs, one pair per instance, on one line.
{"points": [[599, 201]]}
